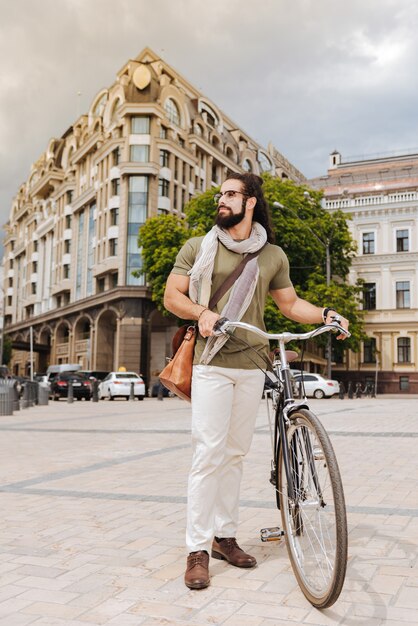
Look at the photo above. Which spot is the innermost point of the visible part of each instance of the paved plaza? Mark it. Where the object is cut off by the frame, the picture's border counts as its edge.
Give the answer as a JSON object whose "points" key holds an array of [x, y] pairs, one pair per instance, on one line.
{"points": [[93, 516]]}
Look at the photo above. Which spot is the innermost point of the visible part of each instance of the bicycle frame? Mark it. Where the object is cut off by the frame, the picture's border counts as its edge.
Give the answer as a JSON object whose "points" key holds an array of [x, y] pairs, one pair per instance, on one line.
{"points": [[287, 404]]}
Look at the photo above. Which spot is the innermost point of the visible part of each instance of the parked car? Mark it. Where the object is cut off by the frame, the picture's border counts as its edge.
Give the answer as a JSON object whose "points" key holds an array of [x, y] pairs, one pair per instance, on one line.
{"points": [[316, 385], [94, 374], [81, 386], [118, 385]]}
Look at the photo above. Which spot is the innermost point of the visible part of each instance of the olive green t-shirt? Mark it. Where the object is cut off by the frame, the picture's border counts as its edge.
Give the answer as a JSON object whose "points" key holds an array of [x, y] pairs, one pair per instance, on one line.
{"points": [[274, 274]]}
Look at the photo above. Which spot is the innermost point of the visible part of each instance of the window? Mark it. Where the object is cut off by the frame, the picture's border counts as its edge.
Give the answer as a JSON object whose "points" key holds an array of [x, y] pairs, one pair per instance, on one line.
{"points": [[265, 162], [403, 295], [164, 158], [114, 217], [403, 383], [33, 288], [66, 271], [113, 247], [67, 246], [100, 284], [137, 214], [10, 282], [402, 240], [368, 243], [163, 187], [404, 350], [68, 221], [369, 296], [140, 125], [69, 196], [116, 187], [35, 246], [114, 280], [116, 156], [369, 354], [139, 154], [163, 132], [9, 300], [172, 111], [246, 166], [34, 267]]}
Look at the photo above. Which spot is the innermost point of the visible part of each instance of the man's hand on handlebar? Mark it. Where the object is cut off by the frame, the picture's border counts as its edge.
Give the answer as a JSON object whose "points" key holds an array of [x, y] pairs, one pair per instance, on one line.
{"points": [[339, 321], [206, 323]]}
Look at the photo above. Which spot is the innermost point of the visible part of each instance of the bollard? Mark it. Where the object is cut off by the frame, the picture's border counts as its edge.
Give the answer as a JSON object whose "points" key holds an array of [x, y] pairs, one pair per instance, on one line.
{"points": [[6, 402], [358, 390], [373, 392], [132, 392], [25, 396], [160, 391], [341, 391], [43, 395], [95, 391], [350, 390], [70, 393]]}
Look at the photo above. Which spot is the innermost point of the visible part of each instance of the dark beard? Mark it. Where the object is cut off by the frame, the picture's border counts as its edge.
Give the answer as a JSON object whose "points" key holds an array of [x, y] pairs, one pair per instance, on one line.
{"points": [[229, 220]]}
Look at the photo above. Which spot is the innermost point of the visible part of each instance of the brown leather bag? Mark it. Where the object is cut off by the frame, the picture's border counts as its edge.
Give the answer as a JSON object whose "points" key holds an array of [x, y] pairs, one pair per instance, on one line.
{"points": [[177, 374]]}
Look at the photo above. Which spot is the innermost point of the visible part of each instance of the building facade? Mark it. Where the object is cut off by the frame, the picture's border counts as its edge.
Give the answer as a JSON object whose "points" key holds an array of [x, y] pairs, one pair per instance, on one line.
{"points": [[381, 196], [147, 145]]}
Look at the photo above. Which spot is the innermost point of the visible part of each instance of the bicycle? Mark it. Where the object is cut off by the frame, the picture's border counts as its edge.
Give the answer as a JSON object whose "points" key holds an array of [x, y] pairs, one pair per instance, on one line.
{"points": [[305, 474]]}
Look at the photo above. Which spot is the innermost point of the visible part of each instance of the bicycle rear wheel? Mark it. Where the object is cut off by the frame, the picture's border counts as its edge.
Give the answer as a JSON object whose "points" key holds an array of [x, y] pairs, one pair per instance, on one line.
{"points": [[314, 521]]}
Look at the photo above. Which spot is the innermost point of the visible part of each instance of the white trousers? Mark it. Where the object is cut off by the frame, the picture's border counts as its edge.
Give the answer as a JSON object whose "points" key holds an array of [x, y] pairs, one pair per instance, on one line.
{"points": [[224, 409]]}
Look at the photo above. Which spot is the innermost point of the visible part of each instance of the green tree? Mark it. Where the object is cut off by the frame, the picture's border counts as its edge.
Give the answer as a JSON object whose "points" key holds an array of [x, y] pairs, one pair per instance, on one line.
{"points": [[302, 227], [7, 350]]}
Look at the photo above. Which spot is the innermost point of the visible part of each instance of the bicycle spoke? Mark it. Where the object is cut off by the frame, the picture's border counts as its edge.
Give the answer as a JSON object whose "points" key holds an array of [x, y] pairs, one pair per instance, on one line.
{"points": [[314, 523]]}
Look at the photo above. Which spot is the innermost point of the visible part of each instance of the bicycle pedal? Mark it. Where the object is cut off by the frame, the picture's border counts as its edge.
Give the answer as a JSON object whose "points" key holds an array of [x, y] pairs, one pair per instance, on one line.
{"points": [[271, 534]]}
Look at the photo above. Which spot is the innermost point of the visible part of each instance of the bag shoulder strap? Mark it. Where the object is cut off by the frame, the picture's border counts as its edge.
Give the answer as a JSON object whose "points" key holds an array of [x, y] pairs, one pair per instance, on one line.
{"points": [[227, 284]]}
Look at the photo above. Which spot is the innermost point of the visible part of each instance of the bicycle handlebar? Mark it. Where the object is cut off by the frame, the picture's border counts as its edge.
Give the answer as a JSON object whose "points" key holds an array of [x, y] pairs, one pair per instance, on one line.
{"points": [[223, 324]]}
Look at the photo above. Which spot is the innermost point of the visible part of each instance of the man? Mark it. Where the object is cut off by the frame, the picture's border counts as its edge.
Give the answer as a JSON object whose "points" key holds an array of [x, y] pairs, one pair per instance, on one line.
{"points": [[226, 386]]}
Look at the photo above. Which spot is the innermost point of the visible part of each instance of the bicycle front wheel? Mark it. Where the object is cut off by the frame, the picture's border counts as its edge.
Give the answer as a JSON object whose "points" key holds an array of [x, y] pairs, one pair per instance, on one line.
{"points": [[314, 519]]}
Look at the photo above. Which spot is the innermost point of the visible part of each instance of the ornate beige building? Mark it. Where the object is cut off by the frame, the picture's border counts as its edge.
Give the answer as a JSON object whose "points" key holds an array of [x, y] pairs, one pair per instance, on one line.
{"points": [[148, 144], [381, 196]]}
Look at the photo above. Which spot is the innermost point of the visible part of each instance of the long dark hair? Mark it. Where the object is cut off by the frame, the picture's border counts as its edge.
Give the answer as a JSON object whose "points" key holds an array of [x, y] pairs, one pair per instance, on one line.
{"points": [[253, 188]]}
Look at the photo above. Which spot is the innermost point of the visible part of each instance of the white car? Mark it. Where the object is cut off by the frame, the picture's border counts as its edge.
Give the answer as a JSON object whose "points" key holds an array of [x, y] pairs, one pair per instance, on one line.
{"points": [[316, 385], [118, 385]]}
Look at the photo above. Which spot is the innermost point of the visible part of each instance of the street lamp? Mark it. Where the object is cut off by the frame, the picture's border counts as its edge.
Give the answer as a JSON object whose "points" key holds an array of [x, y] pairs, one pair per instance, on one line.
{"points": [[326, 245]]}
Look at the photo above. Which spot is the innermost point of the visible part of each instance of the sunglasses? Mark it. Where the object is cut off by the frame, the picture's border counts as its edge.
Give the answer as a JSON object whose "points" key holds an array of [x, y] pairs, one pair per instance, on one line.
{"points": [[229, 195]]}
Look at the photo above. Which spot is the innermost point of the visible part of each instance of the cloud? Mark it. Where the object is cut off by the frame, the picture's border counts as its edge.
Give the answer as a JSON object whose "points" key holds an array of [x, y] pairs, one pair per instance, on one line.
{"points": [[308, 75]]}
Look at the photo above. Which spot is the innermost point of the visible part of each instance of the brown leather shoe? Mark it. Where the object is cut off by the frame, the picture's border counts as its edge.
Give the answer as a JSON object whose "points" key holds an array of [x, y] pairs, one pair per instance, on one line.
{"points": [[197, 572], [228, 550]]}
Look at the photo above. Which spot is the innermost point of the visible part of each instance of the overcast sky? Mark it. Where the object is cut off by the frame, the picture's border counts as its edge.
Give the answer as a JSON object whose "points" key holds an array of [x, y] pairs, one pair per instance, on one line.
{"points": [[309, 75]]}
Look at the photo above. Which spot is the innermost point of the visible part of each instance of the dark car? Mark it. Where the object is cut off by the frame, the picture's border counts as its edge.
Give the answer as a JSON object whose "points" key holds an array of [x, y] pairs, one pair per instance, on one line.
{"points": [[81, 386]]}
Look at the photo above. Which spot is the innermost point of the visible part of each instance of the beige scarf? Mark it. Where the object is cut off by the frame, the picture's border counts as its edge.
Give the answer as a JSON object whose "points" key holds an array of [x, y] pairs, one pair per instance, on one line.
{"points": [[243, 289]]}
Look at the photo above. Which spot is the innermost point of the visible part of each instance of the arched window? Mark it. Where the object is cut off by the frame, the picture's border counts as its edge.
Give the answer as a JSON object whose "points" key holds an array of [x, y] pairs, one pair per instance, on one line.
{"points": [[247, 166], [172, 111], [265, 163]]}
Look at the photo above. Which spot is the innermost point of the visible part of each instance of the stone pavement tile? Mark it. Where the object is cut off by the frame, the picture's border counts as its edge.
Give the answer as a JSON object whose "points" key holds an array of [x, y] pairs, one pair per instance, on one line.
{"points": [[41, 582], [109, 609], [274, 611], [37, 570], [217, 611], [253, 597], [336, 614], [92, 598], [11, 591], [44, 595], [12, 605], [227, 582], [49, 609], [385, 584], [90, 583], [17, 620], [407, 598], [127, 620], [246, 620], [168, 612]]}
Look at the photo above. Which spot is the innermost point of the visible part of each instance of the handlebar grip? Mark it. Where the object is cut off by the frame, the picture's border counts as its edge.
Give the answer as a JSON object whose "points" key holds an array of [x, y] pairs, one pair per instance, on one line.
{"points": [[217, 327]]}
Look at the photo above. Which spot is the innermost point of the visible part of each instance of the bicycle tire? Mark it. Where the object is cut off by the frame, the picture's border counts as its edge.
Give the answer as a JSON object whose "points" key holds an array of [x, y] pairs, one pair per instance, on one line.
{"points": [[315, 525]]}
